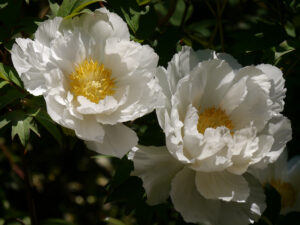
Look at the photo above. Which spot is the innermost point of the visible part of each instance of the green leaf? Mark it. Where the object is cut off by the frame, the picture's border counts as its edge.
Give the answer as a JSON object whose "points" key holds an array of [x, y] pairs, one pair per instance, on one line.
{"points": [[84, 5], [142, 2], [3, 5], [44, 119], [77, 13], [21, 126], [4, 121], [10, 96], [66, 8], [113, 221], [179, 12], [290, 29], [55, 222], [54, 8], [3, 83], [10, 74], [131, 21]]}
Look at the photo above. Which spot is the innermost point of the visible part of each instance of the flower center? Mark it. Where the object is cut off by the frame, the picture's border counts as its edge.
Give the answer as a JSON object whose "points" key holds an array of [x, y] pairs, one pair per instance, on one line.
{"points": [[92, 80], [213, 117], [287, 192]]}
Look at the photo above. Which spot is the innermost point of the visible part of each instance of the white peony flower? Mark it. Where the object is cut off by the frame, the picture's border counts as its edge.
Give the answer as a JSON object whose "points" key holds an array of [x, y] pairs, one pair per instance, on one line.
{"points": [[219, 120], [92, 77], [284, 176]]}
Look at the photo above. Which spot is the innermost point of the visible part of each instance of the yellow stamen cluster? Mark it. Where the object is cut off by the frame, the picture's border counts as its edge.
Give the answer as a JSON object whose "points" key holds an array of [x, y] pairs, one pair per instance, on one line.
{"points": [[92, 80], [213, 118], [287, 192]]}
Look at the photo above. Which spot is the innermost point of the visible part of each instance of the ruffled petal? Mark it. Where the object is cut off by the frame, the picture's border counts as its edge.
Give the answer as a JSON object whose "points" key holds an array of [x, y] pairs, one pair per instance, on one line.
{"points": [[156, 167], [277, 91], [48, 30]]}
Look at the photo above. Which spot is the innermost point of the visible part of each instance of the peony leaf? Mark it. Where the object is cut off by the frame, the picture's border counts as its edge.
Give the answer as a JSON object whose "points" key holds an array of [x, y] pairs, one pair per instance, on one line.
{"points": [[142, 2], [3, 83], [66, 8], [9, 74], [84, 5], [21, 126], [54, 8]]}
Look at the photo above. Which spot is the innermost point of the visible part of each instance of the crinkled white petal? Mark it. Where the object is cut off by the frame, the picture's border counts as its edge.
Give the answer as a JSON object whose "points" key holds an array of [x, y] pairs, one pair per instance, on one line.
{"points": [[156, 167], [222, 185], [193, 207], [277, 91], [69, 51], [117, 141], [48, 31], [31, 62], [245, 144]]}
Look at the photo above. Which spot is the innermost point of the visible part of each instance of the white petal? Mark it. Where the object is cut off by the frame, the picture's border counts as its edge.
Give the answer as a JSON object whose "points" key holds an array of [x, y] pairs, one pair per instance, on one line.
{"points": [[189, 203], [244, 213], [234, 96], [106, 105], [48, 30], [280, 129], [118, 27], [54, 109], [156, 167], [31, 62], [132, 54], [18, 55], [181, 64], [245, 145], [277, 91], [255, 107], [230, 60], [118, 140], [222, 185], [219, 76], [161, 74], [68, 51], [89, 130]]}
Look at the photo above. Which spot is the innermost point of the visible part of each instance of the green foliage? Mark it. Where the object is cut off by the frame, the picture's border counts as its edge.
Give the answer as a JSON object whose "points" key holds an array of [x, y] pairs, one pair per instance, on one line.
{"points": [[9, 74]]}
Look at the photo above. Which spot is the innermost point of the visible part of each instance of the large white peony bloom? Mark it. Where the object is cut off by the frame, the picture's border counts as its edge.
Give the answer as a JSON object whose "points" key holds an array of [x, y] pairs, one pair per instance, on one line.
{"points": [[284, 176], [219, 120], [92, 77]]}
